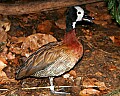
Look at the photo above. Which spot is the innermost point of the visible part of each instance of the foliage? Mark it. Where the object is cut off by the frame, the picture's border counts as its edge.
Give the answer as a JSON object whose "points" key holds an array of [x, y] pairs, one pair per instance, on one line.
{"points": [[114, 8]]}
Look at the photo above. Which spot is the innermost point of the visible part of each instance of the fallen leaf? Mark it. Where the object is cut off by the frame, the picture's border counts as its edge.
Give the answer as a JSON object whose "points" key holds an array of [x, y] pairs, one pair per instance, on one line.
{"points": [[87, 51], [10, 56], [73, 73], [35, 41], [15, 44], [60, 81], [2, 66], [101, 85], [3, 60], [78, 81], [88, 34], [116, 40], [3, 39], [2, 63], [61, 23], [94, 83], [26, 45], [16, 61], [112, 38], [70, 76], [3, 54], [89, 92], [112, 67], [98, 74], [45, 27], [4, 23], [3, 76], [4, 27]]}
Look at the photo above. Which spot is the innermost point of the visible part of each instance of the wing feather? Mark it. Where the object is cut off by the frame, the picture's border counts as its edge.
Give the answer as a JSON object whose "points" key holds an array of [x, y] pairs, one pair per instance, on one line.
{"points": [[43, 57]]}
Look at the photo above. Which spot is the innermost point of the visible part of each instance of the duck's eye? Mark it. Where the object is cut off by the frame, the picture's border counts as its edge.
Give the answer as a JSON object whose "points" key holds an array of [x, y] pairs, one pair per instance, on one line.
{"points": [[79, 12]]}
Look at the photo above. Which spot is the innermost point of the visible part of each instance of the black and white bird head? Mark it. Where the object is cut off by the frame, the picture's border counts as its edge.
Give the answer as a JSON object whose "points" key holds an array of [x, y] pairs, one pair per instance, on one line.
{"points": [[75, 14]]}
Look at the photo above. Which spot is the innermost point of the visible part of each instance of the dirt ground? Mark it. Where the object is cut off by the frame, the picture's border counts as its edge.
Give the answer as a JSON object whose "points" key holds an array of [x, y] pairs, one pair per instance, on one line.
{"points": [[96, 74]]}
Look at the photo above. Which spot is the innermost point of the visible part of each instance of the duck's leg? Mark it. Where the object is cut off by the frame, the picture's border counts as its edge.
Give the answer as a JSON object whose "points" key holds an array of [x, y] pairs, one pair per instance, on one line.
{"points": [[52, 88]]}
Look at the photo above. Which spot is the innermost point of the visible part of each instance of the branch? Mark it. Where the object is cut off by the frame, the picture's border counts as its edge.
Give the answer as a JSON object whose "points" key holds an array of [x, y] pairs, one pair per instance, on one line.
{"points": [[37, 6]]}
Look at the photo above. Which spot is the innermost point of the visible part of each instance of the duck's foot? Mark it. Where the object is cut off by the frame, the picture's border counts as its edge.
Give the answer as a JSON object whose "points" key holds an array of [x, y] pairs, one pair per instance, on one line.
{"points": [[52, 88], [57, 92]]}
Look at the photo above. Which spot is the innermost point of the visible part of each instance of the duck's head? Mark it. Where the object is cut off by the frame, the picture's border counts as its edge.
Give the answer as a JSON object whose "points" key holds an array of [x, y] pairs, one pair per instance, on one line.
{"points": [[75, 14]]}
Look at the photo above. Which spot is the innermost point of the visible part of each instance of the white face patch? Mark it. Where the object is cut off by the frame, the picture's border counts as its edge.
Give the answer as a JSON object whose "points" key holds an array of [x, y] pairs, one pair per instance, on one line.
{"points": [[73, 25], [80, 13]]}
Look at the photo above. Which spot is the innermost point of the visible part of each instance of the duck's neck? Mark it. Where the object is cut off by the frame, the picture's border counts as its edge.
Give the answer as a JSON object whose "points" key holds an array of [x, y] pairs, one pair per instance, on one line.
{"points": [[70, 38]]}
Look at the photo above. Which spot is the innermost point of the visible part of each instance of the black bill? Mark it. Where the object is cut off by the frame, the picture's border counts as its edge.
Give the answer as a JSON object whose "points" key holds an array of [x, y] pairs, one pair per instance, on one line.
{"points": [[88, 18]]}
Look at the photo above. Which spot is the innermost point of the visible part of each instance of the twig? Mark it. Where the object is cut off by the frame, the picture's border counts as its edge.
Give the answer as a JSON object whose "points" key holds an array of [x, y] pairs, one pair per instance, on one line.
{"points": [[3, 89], [37, 6], [47, 87]]}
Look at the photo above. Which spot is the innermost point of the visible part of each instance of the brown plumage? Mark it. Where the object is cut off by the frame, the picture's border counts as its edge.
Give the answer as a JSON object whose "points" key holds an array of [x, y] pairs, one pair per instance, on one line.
{"points": [[56, 58], [53, 59]]}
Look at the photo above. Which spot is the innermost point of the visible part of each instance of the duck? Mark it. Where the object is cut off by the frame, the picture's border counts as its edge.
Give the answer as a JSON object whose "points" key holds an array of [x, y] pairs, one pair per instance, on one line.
{"points": [[56, 58]]}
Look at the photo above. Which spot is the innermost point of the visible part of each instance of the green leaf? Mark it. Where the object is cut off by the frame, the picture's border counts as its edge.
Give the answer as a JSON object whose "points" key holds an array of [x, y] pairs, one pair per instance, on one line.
{"points": [[118, 15], [111, 4], [113, 11], [114, 8]]}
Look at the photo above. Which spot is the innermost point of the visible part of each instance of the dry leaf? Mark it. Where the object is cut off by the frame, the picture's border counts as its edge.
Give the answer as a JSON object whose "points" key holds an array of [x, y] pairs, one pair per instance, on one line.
{"points": [[112, 67], [4, 27], [3, 54], [35, 41], [45, 27], [112, 38], [88, 34], [3, 76], [93, 83], [15, 44], [70, 76], [2, 66], [26, 45], [61, 23], [78, 81], [10, 56], [101, 85], [87, 51], [4, 23], [89, 92], [98, 74], [3, 60], [3, 39], [2, 63], [116, 40], [60, 81], [89, 83], [73, 73]]}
